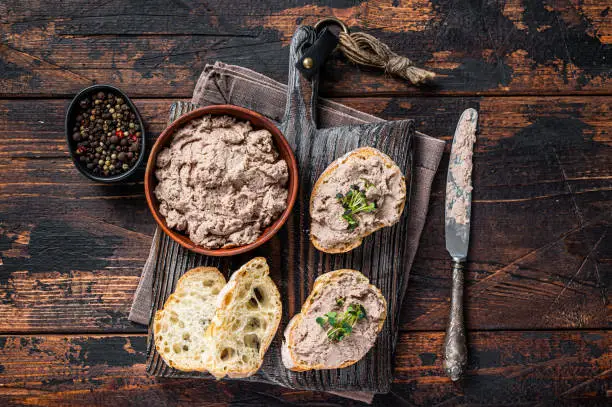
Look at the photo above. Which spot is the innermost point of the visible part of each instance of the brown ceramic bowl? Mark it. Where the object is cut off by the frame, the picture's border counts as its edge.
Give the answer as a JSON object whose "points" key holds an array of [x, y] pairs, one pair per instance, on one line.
{"points": [[258, 122]]}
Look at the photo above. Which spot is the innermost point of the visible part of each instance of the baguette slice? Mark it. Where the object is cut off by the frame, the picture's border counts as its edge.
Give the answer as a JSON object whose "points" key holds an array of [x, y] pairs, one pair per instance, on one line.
{"points": [[306, 345], [249, 310], [179, 328], [388, 213]]}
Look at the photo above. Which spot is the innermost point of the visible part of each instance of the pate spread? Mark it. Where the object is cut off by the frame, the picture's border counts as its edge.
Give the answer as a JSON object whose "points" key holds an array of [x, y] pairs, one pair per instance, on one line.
{"points": [[459, 191], [383, 185], [221, 182], [311, 344]]}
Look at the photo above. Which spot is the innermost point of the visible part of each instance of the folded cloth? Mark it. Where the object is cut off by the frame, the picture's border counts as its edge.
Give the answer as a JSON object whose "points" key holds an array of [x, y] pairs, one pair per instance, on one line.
{"points": [[228, 84]]}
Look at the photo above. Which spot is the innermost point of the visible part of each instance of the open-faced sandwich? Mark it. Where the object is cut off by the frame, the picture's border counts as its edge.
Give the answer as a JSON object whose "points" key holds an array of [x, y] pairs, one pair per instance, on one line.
{"points": [[338, 323], [356, 195], [225, 329]]}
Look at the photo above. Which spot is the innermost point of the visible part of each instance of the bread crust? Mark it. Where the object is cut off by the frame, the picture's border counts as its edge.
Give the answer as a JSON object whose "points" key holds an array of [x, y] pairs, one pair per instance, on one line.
{"points": [[362, 152], [224, 300], [257, 268], [174, 298], [289, 359]]}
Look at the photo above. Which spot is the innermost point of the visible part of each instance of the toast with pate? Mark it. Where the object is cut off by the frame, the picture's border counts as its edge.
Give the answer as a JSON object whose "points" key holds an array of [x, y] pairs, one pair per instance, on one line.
{"points": [[247, 316], [311, 340], [357, 194], [179, 328]]}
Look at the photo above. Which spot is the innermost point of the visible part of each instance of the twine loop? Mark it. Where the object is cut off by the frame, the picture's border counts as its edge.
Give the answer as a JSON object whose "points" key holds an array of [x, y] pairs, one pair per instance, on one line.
{"points": [[365, 49]]}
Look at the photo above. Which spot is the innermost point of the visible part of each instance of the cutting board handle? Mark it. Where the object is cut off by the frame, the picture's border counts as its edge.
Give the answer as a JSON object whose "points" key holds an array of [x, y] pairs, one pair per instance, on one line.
{"points": [[300, 111]]}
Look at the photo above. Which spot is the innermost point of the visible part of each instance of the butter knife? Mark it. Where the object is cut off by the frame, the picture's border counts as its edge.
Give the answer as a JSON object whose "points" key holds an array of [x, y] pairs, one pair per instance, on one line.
{"points": [[457, 229]]}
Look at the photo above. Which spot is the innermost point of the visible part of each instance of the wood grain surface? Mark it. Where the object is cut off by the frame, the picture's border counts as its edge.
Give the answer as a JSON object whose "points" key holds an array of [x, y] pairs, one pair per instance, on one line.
{"points": [[157, 48], [506, 367], [538, 72], [516, 168]]}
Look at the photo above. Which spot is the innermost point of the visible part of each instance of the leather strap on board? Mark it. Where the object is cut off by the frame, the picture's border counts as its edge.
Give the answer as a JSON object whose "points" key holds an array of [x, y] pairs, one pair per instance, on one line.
{"points": [[315, 56]]}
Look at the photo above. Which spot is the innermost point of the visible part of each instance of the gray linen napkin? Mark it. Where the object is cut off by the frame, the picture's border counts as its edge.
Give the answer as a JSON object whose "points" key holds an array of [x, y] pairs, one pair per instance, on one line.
{"points": [[230, 84]]}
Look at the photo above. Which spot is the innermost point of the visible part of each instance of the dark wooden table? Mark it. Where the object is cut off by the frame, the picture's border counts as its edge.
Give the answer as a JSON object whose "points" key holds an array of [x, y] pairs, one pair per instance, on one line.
{"points": [[539, 73]]}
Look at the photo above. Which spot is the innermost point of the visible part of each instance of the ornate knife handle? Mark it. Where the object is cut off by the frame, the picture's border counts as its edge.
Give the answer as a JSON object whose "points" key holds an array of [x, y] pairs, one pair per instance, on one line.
{"points": [[455, 350]]}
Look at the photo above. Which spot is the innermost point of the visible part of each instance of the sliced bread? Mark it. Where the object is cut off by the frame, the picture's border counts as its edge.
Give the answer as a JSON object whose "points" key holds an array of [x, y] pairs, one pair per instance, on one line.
{"points": [[248, 313], [377, 177], [179, 328], [307, 345]]}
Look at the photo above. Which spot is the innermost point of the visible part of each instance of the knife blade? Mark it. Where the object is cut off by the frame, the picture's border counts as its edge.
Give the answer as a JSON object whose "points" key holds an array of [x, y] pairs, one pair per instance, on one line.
{"points": [[459, 187], [457, 235]]}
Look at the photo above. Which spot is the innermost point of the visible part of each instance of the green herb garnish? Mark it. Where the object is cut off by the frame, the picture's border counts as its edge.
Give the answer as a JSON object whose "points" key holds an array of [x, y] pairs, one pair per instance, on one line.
{"points": [[367, 184], [340, 326], [354, 202]]}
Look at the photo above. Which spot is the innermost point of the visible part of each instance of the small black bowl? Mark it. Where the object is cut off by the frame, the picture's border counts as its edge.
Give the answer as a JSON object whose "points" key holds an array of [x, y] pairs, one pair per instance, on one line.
{"points": [[70, 122]]}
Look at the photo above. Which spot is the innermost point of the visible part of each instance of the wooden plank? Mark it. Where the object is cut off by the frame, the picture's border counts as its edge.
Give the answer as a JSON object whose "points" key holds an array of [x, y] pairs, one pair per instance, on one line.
{"points": [[155, 48], [567, 367], [508, 368], [547, 160]]}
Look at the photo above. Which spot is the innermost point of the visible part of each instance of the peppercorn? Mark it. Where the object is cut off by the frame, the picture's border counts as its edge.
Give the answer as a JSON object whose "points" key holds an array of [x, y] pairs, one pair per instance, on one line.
{"points": [[106, 134]]}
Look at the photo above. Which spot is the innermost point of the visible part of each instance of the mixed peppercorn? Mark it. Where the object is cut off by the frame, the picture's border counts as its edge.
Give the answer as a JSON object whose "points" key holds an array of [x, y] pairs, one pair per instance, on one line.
{"points": [[107, 134]]}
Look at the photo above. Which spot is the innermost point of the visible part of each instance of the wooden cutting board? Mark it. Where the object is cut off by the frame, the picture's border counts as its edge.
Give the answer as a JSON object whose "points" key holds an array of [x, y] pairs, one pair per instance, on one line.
{"points": [[294, 262]]}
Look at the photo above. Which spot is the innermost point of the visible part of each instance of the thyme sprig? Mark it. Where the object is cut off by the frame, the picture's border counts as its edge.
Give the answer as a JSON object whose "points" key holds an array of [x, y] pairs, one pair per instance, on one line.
{"points": [[341, 325], [354, 202]]}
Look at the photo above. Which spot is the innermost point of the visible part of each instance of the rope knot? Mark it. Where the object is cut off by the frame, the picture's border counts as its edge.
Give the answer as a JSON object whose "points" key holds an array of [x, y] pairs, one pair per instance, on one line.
{"points": [[397, 64], [364, 49]]}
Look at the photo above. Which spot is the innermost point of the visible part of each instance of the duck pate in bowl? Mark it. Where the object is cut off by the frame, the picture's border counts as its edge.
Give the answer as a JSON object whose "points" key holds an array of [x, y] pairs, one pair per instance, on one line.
{"points": [[221, 180]]}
